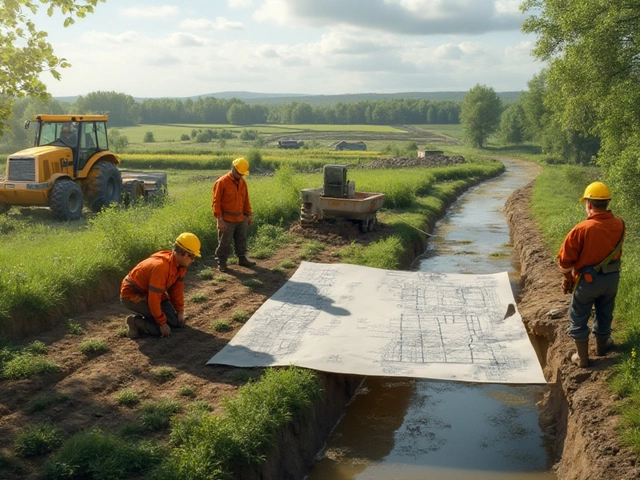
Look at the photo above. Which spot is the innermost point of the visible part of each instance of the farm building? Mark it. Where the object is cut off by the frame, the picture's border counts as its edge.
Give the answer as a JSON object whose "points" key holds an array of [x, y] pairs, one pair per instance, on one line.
{"points": [[350, 146], [289, 144], [429, 153]]}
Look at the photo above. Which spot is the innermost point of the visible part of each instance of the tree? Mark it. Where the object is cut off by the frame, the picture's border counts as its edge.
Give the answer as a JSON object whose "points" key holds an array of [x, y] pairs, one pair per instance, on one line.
{"points": [[480, 114], [24, 51], [117, 141], [513, 124], [593, 60], [122, 109], [148, 137]]}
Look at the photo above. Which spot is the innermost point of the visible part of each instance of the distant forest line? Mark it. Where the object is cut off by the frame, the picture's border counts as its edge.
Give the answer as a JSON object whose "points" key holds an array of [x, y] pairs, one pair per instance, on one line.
{"points": [[124, 110]]}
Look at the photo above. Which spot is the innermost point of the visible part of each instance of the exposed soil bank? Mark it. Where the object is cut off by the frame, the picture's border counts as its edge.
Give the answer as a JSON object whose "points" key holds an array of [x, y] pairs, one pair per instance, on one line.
{"points": [[577, 413]]}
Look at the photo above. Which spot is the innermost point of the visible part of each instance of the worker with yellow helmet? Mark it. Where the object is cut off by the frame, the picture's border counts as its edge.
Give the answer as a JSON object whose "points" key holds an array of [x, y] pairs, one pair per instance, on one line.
{"points": [[232, 210], [590, 261], [154, 289]]}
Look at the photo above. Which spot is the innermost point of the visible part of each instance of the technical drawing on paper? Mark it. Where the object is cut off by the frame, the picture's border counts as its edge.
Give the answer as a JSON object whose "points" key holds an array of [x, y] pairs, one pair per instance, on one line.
{"points": [[361, 320]]}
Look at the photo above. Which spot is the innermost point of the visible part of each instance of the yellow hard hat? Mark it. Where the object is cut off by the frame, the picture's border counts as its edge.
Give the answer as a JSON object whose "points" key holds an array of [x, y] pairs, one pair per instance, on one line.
{"points": [[189, 243], [241, 165], [596, 191]]}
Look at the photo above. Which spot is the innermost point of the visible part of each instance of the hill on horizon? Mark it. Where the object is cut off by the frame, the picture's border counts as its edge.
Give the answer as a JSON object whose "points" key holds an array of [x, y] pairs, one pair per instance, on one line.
{"points": [[282, 98]]}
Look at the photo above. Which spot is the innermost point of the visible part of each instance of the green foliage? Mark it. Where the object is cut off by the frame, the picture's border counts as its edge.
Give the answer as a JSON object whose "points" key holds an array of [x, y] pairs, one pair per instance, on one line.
{"points": [[164, 374], [25, 51], [127, 398], [187, 391], [480, 114], [311, 249], [385, 253], [221, 326], [253, 283], [267, 240], [40, 403], [148, 137], [117, 141], [288, 264], [156, 416], [240, 316], [26, 362], [199, 297], [98, 456], [37, 440], [74, 328], [206, 274], [513, 124], [216, 447], [93, 347]]}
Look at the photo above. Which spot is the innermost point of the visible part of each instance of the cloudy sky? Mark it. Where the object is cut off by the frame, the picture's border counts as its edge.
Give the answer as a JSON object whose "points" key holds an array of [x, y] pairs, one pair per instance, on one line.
{"points": [[148, 48]]}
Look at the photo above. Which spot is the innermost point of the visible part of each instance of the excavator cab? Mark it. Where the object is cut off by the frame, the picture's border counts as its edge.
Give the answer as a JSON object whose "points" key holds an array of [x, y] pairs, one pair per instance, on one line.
{"points": [[69, 165]]}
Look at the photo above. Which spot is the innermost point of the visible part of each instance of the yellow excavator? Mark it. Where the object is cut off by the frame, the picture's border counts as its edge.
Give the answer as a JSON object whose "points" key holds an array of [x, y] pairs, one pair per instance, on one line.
{"points": [[69, 165]]}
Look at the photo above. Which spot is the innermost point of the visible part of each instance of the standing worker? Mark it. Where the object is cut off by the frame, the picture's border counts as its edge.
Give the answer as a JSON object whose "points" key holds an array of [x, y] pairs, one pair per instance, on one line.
{"points": [[590, 261], [154, 289], [232, 210]]}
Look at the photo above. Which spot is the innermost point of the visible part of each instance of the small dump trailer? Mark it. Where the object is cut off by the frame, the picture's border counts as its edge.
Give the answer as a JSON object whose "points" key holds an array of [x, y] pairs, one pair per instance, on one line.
{"points": [[339, 199]]}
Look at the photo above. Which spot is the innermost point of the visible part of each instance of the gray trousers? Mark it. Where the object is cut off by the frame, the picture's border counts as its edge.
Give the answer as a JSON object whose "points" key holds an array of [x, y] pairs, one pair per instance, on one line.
{"points": [[147, 324], [599, 293], [236, 232]]}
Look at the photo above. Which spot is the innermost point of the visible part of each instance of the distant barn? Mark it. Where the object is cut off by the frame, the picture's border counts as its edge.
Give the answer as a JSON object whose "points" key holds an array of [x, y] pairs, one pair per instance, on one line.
{"points": [[429, 153], [350, 146], [294, 144]]}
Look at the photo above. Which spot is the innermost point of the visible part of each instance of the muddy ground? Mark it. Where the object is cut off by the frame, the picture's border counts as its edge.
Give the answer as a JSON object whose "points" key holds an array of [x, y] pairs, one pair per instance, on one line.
{"points": [[577, 413]]}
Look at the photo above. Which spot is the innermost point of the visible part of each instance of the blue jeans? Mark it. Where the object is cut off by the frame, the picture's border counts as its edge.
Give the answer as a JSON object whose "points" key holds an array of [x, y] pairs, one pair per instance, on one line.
{"points": [[599, 293]]}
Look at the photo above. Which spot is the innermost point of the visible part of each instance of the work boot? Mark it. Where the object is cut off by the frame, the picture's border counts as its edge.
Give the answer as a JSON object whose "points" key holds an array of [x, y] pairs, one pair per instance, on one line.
{"points": [[133, 330], [243, 261], [222, 264], [581, 357], [604, 343]]}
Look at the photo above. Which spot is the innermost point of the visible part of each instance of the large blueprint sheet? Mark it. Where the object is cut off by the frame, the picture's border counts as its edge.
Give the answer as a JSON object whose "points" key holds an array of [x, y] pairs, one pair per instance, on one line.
{"points": [[360, 320]]}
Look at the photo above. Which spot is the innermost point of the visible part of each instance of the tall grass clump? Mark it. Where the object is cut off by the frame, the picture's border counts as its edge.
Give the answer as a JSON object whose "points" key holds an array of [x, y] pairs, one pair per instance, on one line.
{"points": [[17, 363], [386, 254], [220, 446], [37, 440], [96, 455], [267, 240]]}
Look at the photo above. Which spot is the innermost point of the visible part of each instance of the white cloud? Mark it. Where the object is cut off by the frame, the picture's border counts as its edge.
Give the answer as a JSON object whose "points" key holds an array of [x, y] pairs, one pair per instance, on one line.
{"points": [[219, 23], [240, 3], [124, 38], [163, 11], [179, 39], [404, 17]]}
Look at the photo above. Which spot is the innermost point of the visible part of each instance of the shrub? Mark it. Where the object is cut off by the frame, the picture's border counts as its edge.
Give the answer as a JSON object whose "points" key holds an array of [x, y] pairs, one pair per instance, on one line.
{"points": [[184, 137], [37, 440], [93, 346], [148, 137], [127, 398]]}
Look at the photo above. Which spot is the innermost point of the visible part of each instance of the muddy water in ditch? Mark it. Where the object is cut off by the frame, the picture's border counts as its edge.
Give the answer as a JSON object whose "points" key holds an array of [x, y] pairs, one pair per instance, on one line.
{"points": [[420, 429]]}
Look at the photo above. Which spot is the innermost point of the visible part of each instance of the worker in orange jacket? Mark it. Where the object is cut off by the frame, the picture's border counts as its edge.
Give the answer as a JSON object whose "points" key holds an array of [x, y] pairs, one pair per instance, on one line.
{"points": [[232, 209], [590, 261], [154, 289]]}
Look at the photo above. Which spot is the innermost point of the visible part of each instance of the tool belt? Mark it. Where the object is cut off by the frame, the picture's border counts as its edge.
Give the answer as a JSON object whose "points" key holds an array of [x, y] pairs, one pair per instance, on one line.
{"points": [[605, 266]]}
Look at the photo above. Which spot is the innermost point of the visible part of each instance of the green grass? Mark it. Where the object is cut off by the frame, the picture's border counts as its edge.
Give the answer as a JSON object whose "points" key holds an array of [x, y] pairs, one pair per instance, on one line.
{"points": [[240, 316], [217, 447], [157, 416], [187, 391], [253, 284], [41, 403], [311, 249], [206, 274], [74, 328], [221, 326], [199, 298], [93, 347], [164, 374], [37, 440], [96, 455], [127, 398], [18, 363], [288, 264]]}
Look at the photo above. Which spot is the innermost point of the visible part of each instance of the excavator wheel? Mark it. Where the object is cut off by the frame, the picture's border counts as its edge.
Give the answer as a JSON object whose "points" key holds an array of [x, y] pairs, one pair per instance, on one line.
{"points": [[306, 217], [66, 200], [103, 185]]}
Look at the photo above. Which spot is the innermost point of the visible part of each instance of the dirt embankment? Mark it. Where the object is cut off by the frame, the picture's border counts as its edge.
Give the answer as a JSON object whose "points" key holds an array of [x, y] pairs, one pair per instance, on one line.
{"points": [[577, 414]]}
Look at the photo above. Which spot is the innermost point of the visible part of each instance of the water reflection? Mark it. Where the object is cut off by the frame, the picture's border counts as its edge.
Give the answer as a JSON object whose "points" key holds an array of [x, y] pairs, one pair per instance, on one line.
{"points": [[421, 429]]}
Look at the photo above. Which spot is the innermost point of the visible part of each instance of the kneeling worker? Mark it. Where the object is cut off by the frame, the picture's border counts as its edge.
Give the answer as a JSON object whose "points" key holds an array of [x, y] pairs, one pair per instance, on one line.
{"points": [[154, 289]]}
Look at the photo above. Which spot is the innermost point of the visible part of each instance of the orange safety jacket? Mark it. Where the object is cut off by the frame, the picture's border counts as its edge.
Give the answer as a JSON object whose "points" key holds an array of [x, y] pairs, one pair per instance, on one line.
{"points": [[590, 242], [155, 279], [231, 199]]}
